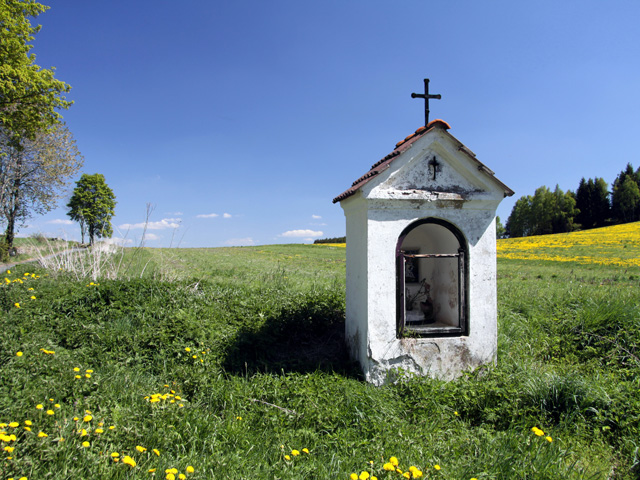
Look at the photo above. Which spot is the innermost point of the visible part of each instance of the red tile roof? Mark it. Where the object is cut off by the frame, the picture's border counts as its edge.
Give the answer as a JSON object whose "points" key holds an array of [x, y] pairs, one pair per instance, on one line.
{"points": [[401, 147]]}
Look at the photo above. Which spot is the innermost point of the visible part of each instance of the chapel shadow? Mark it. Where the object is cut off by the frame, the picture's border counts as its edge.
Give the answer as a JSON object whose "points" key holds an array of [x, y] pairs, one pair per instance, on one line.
{"points": [[306, 340]]}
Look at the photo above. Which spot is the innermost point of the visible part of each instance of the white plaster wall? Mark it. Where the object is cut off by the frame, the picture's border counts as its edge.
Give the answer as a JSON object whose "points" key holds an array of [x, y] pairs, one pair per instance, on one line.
{"points": [[444, 357]]}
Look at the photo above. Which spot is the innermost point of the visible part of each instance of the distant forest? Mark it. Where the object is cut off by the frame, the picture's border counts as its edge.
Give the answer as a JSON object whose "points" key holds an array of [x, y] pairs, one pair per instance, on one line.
{"points": [[592, 205], [332, 240]]}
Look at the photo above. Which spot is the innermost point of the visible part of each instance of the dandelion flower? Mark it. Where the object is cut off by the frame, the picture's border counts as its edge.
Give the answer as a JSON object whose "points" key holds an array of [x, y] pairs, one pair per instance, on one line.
{"points": [[190, 469], [141, 449], [57, 405], [406, 475], [89, 371], [394, 461], [33, 297], [127, 460], [88, 375], [437, 467], [50, 412], [170, 476], [287, 457], [353, 476], [155, 450], [151, 470], [99, 430], [388, 467], [76, 369], [14, 424], [115, 454], [295, 453], [364, 475], [17, 305], [187, 349], [28, 422], [182, 476], [85, 444], [78, 376], [112, 427], [9, 449], [549, 439], [305, 450], [83, 433], [42, 435], [19, 354], [87, 418]]}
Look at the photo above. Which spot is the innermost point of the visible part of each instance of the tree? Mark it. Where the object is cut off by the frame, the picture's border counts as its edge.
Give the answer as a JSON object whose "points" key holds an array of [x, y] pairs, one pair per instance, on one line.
{"points": [[592, 200], [544, 213], [34, 174], [624, 204], [29, 95], [500, 230], [92, 205]]}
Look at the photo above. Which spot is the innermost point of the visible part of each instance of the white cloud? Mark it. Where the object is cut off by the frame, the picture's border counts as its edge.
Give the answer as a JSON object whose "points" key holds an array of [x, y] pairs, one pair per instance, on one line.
{"points": [[176, 214], [240, 242], [207, 215], [151, 236], [302, 233], [316, 217], [161, 225], [226, 215], [61, 221]]}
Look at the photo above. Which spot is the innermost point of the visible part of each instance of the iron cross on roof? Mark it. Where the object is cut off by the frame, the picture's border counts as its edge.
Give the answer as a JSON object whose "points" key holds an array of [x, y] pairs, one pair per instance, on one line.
{"points": [[426, 97]]}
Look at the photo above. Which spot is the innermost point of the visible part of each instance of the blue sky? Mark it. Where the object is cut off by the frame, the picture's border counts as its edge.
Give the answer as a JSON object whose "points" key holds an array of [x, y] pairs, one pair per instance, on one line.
{"points": [[240, 121]]}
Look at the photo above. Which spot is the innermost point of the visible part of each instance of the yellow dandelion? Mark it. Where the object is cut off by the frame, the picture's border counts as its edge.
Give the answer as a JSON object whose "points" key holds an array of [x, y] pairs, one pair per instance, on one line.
{"points": [[14, 424], [87, 418], [156, 451], [112, 427], [182, 476], [33, 297], [88, 375], [42, 435], [19, 354], [9, 449], [127, 460], [437, 467], [287, 457], [170, 476], [76, 369], [364, 475], [394, 461], [50, 412], [151, 470], [28, 429], [187, 349], [85, 444], [99, 430], [295, 453], [89, 371], [190, 469], [306, 450], [57, 405], [388, 467], [353, 476], [115, 454], [141, 449], [549, 439], [406, 475]]}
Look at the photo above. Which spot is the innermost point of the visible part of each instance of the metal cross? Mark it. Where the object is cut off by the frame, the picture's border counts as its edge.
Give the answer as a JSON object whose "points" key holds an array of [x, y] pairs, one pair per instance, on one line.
{"points": [[426, 97]]}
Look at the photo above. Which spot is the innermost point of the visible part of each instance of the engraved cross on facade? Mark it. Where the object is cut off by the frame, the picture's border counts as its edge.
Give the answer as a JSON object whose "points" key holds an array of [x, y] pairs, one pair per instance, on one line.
{"points": [[426, 97]]}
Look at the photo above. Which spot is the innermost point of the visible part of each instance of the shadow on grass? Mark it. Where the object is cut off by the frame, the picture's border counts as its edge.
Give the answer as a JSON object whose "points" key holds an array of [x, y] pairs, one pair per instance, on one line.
{"points": [[306, 338]]}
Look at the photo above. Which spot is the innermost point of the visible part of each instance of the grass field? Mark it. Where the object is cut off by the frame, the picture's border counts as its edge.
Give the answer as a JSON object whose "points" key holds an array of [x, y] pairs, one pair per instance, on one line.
{"points": [[229, 364]]}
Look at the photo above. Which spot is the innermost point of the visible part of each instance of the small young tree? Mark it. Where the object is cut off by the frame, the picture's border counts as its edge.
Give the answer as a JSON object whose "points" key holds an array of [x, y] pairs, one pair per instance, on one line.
{"points": [[92, 205]]}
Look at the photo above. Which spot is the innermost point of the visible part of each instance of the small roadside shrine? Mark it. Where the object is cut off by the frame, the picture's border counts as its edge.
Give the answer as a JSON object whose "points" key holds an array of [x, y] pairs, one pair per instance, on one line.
{"points": [[421, 258]]}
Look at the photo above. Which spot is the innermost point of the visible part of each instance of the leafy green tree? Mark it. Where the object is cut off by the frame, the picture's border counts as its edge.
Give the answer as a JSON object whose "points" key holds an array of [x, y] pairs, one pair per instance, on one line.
{"points": [[92, 206], [34, 175], [624, 205], [544, 213], [29, 95]]}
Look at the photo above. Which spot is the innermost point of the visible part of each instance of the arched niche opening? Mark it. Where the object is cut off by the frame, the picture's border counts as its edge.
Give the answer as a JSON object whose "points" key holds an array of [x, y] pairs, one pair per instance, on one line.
{"points": [[431, 259]]}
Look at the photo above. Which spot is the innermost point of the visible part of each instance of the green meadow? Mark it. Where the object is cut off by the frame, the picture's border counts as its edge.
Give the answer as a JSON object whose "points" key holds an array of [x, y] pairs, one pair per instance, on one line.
{"points": [[229, 363]]}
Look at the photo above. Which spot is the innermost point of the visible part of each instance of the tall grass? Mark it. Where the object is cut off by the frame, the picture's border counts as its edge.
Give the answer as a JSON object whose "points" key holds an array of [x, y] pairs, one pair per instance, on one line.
{"points": [[242, 353]]}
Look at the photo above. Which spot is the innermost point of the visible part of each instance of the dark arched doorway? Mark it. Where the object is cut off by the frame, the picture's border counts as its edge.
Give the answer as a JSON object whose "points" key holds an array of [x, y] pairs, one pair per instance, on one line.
{"points": [[431, 259]]}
